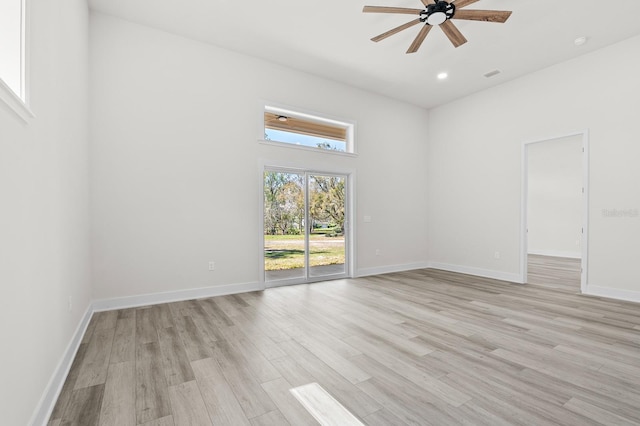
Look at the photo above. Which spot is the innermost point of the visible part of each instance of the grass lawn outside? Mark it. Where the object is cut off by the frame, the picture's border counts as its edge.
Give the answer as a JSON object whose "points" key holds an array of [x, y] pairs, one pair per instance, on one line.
{"points": [[287, 251]]}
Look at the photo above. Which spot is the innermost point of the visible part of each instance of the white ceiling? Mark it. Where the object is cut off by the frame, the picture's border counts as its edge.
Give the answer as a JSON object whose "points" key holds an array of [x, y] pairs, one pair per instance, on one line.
{"points": [[330, 38]]}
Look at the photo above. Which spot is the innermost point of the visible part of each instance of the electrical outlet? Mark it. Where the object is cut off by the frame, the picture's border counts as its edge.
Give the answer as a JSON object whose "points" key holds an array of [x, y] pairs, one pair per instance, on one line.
{"points": [[497, 255], [377, 252], [212, 265]]}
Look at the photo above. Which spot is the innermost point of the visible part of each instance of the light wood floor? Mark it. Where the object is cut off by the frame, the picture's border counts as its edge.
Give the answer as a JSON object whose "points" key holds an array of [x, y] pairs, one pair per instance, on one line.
{"points": [[423, 347], [561, 273]]}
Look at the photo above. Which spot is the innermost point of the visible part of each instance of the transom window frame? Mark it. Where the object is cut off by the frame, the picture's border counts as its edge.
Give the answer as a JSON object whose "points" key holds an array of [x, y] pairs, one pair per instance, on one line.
{"points": [[349, 127], [19, 102]]}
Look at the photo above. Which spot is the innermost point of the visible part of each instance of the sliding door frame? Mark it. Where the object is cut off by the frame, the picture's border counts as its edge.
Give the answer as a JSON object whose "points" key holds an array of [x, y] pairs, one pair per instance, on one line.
{"points": [[349, 228]]}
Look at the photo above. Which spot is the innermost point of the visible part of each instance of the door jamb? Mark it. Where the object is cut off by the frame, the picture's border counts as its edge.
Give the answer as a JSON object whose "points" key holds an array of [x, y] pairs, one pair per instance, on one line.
{"points": [[584, 283]]}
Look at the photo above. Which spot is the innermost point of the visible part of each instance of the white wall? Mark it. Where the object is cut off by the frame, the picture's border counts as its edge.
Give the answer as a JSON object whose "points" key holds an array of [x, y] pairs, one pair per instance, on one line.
{"points": [[174, 173], [555, 197], [474, 166], [44, 248], [175, 162]]}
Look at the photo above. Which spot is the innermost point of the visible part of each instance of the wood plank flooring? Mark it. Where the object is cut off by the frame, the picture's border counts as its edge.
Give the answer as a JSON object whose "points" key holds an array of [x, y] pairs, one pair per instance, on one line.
{"points": [[423, 347], [561, 273]]}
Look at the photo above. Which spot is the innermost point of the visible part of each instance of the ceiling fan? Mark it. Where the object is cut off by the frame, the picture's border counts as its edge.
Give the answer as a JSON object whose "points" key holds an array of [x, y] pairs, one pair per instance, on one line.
{"points": [[438, 13]]}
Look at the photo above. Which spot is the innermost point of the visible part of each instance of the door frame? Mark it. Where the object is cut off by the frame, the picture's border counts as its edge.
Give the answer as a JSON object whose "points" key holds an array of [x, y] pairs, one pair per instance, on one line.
{"points": [[349, 226], [584, 283]]}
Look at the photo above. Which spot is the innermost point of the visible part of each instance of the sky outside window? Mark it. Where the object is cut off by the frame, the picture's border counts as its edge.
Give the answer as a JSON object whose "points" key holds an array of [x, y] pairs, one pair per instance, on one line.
{"points": [[305, 140], [11, 44]]}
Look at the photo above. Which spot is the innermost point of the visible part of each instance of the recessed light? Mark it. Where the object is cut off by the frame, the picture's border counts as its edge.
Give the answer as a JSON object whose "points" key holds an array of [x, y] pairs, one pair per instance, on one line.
{"points": [[282, 118], [443, 76], [580, 41]]}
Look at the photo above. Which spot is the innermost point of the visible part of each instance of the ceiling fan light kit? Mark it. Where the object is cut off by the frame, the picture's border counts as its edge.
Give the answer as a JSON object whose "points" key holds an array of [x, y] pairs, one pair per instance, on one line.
{"points": [[438, 13]]}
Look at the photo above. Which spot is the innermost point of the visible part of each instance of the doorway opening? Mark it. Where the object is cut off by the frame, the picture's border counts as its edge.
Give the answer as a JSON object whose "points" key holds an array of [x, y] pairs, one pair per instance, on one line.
{"points": [[305, 226], [554, 239]]}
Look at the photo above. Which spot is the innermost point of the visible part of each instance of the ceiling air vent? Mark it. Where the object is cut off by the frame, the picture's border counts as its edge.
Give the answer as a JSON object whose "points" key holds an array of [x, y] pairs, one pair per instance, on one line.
{"points": [[492, 73]]}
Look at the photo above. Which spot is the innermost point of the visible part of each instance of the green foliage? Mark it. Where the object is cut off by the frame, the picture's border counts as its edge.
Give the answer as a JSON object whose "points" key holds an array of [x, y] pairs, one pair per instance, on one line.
{"points": [[328, 199], [327, 146], [284, 203], [324, 231]]}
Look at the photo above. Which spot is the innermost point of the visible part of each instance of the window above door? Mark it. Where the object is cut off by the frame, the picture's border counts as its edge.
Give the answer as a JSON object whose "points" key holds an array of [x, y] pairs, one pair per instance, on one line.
{"points": [[294, 128], [13, 54]]}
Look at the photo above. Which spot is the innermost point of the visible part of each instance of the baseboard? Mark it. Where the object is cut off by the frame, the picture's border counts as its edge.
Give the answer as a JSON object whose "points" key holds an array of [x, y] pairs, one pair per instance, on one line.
{"points": [[469, 270], [557, 253], [390, 269], [173, 296], [613, 293], [52, 391], [54, 387]]}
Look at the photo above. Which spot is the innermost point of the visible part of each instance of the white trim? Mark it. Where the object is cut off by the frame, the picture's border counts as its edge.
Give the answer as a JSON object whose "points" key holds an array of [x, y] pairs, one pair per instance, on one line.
{"points": [[54, 387], [306, 148], [584, 283], [584, 276], [614, 293], [524, 195], [378, 270], [19, 102], [15, 104], [350, 207], [303, 281], [350, 224], [262, 166], [350, 125], [307, 234], [479, 272], [173, 296], [557, 253], [23, 52]]}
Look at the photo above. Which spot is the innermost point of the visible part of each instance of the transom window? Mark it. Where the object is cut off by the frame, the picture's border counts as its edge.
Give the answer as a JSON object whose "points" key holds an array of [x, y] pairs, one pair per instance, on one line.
{"points": [[12, 46], [13, 67], [305, 130]]}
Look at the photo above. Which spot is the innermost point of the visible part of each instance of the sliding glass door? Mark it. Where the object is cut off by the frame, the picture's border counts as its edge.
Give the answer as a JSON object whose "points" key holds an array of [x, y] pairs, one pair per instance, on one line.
{"points": [[305, 226], [327, 249], [284, 226]]}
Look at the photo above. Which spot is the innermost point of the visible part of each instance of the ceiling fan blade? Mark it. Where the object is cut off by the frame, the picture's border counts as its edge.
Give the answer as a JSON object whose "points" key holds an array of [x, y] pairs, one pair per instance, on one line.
{"points": [[428, 2], [463, 3], [384, 9], [419, 39], [453, 34], [483, 15], [396, 30]]}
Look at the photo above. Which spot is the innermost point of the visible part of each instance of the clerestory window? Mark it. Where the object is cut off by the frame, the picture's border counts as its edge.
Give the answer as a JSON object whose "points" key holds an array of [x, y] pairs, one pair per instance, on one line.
{"points": [[306, 130], [13, 76]]}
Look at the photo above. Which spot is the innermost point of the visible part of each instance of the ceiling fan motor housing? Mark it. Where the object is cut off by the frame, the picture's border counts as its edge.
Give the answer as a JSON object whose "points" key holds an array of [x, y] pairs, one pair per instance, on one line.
{"points": [[437, 13]]}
